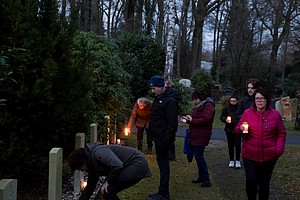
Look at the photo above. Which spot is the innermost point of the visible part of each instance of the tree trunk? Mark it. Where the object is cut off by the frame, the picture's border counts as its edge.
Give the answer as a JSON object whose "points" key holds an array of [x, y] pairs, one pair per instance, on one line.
{"points": [[160, 26], [170, 40], [129, 15]]}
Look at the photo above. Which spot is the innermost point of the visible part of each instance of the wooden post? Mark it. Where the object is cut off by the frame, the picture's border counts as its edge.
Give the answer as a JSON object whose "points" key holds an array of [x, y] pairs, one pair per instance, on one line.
{"points": [[93, 133], [78, 175], [55, 174], [8, 189]]}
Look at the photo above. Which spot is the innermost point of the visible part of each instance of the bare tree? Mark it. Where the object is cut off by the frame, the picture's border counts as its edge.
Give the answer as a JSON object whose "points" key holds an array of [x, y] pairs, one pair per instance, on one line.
{"points": [[170, 39], [182, 32], [201, 9], [129, 11], [276, 16]]}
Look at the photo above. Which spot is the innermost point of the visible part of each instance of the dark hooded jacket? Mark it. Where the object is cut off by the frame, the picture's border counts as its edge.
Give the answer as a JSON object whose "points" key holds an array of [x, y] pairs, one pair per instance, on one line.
{"points": [[164, 117], [115, 162], [229, 111], [200, 128], [245, 103]]}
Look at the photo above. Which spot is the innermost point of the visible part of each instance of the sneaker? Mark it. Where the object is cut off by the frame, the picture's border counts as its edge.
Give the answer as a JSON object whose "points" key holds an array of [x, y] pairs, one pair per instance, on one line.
{"points": [[231, 164], [206, 184], [238, 164]]}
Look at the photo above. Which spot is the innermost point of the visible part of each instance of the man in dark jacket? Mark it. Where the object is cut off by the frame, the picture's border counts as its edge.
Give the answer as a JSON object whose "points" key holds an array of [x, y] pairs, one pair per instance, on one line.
{"points": [[122, 166], [162, 127]]}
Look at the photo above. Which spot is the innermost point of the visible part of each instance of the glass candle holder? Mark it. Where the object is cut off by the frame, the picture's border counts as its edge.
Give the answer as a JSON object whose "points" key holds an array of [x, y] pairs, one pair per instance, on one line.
{"points": [[246, 127]]}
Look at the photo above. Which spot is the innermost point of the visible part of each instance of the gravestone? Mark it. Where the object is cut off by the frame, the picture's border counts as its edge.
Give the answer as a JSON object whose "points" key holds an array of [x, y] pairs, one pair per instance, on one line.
{"points": [[55, 174], [8, 189], [286, 106]]}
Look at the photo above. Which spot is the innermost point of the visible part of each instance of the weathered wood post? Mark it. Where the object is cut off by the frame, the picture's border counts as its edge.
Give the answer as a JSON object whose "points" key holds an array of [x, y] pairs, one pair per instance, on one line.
{"points": [[55, 174], [93, 133], [78, 175], [8, 189]]}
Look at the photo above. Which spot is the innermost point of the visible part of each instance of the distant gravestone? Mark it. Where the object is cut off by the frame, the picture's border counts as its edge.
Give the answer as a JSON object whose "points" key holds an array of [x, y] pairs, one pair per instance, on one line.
{"points": [[286, 106], [8, 189], [55, 174], [185, 82]]}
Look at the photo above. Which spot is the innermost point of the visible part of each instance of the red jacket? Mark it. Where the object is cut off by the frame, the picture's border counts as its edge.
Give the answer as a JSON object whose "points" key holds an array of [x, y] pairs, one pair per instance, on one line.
{"points": [[267, 135], [200, 128]]}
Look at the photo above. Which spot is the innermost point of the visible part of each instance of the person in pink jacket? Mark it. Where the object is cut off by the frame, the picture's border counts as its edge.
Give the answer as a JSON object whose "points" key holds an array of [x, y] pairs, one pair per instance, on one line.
{"points": [[263, 143]]}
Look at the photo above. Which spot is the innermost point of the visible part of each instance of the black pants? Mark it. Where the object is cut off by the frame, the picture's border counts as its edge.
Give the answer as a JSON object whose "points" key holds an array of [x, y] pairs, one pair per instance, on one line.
{"points": [[116, 187], [258, 177], [162, 157], [140, 134], [234, 143]]}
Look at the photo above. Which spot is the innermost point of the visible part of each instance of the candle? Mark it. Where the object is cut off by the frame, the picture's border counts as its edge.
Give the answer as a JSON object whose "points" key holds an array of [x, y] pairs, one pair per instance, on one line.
{"points": [[246, 126], [126, 131], [228, 119], [118, 141]]}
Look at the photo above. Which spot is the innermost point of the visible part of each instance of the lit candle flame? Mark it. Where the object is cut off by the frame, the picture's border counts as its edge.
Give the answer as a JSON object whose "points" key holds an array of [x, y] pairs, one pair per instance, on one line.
{"points": [[83, 184], [118, 141], [126, 131]]}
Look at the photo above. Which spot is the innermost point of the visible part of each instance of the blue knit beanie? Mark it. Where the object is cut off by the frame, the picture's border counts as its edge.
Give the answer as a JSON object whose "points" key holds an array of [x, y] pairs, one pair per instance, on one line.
{"points": [[157, 81]]}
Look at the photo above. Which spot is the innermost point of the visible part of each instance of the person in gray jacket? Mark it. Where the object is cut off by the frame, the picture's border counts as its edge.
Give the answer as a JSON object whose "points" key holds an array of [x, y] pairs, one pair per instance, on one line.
{"points": [[122, 166]]}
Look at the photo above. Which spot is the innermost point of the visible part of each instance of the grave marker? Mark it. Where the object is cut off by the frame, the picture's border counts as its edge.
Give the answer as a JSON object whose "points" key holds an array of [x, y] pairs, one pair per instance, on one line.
{"points": [[8, 189], [55, 174]]}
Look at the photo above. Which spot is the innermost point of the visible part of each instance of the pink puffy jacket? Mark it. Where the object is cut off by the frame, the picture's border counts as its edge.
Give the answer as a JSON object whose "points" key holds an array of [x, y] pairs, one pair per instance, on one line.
{"points": [[267, 135]]}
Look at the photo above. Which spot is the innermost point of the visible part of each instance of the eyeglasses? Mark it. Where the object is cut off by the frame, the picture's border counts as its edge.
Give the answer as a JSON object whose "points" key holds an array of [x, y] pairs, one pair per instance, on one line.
{"points": [[260, 99]]}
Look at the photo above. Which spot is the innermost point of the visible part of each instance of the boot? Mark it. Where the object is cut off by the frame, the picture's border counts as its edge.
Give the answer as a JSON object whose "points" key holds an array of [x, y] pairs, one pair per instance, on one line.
{"points": [[140, 146], [149, 150]]}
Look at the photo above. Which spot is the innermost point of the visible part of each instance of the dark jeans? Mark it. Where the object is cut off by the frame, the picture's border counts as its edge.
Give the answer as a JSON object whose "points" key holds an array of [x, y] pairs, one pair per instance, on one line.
{"points": [[162, 157], [258, 177], [201, 163], [117, 186], [140, 134], [234, 142]]}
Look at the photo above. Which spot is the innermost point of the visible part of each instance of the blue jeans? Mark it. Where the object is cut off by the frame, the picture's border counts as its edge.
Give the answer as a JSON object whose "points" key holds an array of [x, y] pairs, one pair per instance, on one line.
{"points": [[162, 157], [201, 163]]}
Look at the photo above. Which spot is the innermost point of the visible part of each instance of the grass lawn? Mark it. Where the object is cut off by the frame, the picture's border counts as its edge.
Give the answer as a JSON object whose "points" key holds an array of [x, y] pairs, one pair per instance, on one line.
{"points": [[227, 183]]}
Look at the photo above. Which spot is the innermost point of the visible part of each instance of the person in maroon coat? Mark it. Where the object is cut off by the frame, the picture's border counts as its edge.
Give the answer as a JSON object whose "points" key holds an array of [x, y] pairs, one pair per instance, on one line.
{"points": [[200, 131]]}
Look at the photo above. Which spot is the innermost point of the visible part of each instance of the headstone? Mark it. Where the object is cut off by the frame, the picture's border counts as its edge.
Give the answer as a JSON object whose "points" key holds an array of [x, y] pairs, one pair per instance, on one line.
{"points": [[278, 107], [78, 175], [93, 133], [8, 189], [286, 106], [185, 82], [55, 174]]}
